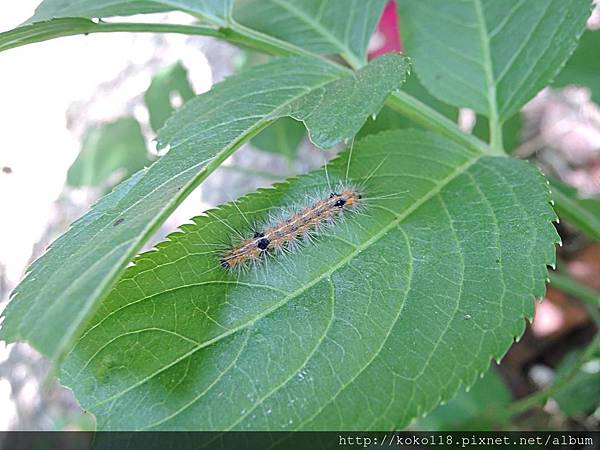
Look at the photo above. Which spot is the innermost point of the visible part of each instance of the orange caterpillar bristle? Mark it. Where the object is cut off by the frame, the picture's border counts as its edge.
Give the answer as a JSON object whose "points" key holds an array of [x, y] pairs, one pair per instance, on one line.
{"points": [[290, 230]]}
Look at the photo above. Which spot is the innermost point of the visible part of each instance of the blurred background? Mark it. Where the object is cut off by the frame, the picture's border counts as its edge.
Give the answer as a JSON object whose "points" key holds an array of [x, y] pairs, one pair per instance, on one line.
{"points": [[78, 115]]}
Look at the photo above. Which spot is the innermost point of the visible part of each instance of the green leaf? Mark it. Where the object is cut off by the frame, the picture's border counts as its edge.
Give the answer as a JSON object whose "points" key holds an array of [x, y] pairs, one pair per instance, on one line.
{"points": [[282, 137], [584, 66], [388, 119], [365, 328], [584, 213], [66, 285], [321, 26], [474, 409], [331, 114], [215, 11], [106, 149], [488, 55], [169, 81]]}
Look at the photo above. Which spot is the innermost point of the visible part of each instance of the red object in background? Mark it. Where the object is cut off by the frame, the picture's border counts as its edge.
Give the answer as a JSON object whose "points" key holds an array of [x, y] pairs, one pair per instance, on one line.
{"points": [[387, 36]]}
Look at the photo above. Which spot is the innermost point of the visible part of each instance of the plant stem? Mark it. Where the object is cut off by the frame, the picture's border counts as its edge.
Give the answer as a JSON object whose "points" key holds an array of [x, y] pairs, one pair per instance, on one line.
{"points": [[109, 27], [44, 31], [236, 34], [494, 120], [241, 35], [496, 134], [422, 114]]}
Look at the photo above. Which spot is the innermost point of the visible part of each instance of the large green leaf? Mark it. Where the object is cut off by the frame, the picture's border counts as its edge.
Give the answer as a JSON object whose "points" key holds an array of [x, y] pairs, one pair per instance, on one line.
{"points": [[488, 55], [64, 287], [375, 322], [321, 26], [584, 66], [107, 148]]}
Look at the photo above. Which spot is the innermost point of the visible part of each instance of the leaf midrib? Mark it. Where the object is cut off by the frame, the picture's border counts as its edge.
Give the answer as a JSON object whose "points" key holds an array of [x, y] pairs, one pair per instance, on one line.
{"points": [[487, 65], [326, 274]]}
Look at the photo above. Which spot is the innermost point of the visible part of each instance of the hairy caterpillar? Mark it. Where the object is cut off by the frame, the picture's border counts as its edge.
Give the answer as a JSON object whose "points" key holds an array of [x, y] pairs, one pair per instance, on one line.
{"points": [[288, 227], [297, 226]]}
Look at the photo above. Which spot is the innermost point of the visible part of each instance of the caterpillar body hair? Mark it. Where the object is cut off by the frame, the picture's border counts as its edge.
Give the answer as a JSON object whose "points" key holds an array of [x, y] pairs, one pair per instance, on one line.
{"points": [[291, 228]]}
